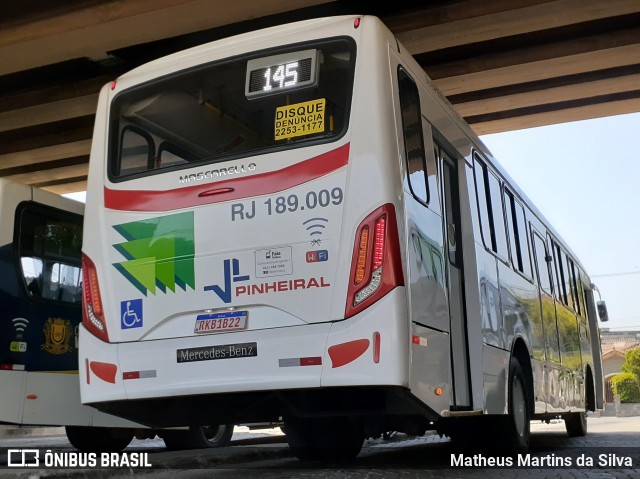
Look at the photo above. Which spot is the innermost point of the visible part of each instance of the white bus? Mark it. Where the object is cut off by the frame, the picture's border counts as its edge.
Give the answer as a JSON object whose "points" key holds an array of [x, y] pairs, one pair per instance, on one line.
{"points": [[40, 298], [294, 223]]}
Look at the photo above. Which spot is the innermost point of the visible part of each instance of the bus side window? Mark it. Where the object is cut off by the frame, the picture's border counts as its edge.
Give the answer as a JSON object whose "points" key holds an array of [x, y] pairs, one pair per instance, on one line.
{"points": [[413, 138], [497, 217], [575, 295], [542, 267], [494, 234], [560, 273], [518, 238], [581, 292], [479, 169]]}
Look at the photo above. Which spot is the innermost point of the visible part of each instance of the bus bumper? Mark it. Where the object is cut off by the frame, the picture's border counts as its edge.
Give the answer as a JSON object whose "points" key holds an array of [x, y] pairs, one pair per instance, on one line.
{"points": [[368, 349]]}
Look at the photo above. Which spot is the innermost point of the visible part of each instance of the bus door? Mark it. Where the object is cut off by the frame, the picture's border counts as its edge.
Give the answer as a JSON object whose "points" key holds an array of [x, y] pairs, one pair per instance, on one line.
{"points": [[453, 253], [427, 282]]}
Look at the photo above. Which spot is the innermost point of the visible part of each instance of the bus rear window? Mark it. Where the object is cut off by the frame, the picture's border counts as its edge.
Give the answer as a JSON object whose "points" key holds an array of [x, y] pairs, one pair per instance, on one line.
{"points": [[233, 108]]}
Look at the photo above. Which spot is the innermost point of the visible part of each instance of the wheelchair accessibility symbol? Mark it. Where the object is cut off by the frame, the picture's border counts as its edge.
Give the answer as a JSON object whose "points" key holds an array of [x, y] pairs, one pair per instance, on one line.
{"points": [[131, 314]]}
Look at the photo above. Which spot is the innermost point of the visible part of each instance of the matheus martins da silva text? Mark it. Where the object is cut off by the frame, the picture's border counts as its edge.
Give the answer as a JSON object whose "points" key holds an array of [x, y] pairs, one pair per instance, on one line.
{"points": [[548, 460]]}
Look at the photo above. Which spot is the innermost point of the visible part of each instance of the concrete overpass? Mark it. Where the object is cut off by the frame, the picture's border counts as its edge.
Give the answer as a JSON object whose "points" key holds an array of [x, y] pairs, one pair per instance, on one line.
{"points": [[503, 64]]}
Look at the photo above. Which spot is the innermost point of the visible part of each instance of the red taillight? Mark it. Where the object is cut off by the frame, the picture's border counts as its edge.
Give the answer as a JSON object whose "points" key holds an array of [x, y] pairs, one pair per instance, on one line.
{"points": [[361, 263], [378, 243], [92, 313], [376, 267]]}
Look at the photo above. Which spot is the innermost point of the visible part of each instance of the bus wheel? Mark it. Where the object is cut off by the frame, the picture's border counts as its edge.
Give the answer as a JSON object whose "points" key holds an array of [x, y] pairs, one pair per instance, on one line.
{"points": [[576, 424], [199, 437], [516, 429], [322, 439], [98, 439]]}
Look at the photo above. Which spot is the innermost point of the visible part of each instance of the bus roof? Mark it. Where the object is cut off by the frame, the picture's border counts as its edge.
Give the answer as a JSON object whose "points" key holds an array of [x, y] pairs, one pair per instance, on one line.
{"points": [[227, 47]]}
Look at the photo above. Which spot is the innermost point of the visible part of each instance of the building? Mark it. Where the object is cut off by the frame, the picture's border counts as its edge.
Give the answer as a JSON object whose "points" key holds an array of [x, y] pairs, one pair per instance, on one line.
{"points": [[615, 344]]}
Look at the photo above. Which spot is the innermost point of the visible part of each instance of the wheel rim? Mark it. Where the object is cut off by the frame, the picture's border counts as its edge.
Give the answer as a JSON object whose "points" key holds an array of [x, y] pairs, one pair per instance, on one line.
{"points": [[518, 407], [213, 434]]}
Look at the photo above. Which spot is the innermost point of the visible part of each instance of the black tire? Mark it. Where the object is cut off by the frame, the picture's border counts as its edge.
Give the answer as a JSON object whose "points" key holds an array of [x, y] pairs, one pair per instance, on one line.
{"points": [[324, 439], [515, 432], [199, 437], [576, 424], [99, 439]]}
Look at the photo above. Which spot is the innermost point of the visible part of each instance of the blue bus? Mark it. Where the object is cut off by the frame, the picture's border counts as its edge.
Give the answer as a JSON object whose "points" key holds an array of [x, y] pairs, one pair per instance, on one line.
{"points": [[41, 298]]}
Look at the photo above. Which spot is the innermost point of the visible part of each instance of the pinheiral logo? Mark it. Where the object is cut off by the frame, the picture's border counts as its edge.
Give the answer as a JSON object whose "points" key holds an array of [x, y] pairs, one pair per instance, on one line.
{"points": [[159, 253]]}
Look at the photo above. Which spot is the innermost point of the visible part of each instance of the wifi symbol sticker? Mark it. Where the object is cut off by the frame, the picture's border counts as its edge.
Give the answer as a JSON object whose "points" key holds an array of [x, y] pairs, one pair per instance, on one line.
{"points": [[315, 226], [20, 324]]}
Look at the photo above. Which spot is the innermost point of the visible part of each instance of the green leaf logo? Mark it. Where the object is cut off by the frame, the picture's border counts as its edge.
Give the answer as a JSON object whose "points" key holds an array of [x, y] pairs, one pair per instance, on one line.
{"points": [[159, 252]]}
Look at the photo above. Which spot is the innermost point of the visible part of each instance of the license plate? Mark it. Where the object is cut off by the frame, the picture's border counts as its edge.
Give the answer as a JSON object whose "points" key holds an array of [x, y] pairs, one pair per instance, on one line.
{"points": [[219, 322]]}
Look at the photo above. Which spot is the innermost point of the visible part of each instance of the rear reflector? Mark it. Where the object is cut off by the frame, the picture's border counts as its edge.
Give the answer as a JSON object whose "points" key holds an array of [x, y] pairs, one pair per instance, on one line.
{"points": [[293, 362], [105, 371], [345, 353], [149, 373], [418, 340], [11, 367]]}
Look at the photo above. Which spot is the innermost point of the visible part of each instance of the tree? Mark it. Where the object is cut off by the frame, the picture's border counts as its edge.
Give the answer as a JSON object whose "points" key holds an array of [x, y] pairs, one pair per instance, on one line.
{"points": [[632, 363], [627, 384], [626, 387]]}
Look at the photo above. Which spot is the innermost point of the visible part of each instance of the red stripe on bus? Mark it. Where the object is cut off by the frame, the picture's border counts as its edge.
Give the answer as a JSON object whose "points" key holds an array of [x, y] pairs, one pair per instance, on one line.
{"points": [[238, 188]]}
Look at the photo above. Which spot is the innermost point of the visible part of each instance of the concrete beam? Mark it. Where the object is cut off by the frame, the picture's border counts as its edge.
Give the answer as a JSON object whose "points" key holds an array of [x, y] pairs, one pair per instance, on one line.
{"points": [[66, 188], [97, 29], [549, 95], [52, 174], [540, 70], [559, 116], [46, 154], [513, 21], [48, 112]]}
